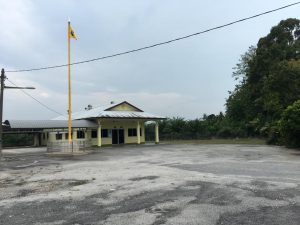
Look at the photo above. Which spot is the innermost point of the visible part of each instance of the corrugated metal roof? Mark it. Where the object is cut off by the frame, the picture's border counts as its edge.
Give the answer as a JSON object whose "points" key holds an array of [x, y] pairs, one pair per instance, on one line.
{"points": [[111, 114], [100, 112], [43, 124]]}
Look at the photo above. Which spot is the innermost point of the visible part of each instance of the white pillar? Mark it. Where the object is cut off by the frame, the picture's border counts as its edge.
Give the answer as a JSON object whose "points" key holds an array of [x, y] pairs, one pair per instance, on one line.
{"points": [[63, 138], [138, 127], [99, 141], [156, 133], [74, 134], [86, 137], [88, 134]]}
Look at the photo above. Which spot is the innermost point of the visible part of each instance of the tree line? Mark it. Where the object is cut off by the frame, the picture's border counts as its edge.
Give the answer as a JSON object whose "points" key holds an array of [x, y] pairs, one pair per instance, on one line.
{"points": [[207, 127], [265, 101]]}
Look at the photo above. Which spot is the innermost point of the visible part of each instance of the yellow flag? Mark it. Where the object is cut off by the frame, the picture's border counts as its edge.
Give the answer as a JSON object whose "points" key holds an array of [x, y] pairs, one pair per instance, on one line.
{"points": [[72, 33]]}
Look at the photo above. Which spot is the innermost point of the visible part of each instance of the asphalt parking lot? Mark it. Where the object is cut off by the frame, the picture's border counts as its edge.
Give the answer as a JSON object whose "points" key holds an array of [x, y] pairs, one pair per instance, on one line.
{"points": [[155, 184]]}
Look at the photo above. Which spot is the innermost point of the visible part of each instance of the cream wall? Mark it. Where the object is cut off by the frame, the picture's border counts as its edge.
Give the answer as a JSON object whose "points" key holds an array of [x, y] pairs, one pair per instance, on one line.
{"points": [[121, 124], [51, 133], [105, 124]]}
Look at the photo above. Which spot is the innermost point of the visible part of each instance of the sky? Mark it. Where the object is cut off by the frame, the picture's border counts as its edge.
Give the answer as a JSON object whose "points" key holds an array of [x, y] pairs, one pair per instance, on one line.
{"points": [[183, 79]]}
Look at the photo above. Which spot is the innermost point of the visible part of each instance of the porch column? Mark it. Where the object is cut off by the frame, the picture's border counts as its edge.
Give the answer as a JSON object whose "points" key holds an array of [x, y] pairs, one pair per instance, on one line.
{"points": [[156, 133], [138, 127], [99, 141]]}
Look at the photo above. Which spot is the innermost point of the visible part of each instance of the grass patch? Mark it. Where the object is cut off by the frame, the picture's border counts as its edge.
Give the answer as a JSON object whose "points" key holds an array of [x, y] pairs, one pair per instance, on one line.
{"points": [[238, 141]]}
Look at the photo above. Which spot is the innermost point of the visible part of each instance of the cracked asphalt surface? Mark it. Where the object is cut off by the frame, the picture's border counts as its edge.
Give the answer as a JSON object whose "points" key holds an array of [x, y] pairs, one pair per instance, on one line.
{"points": [[155, 184]]}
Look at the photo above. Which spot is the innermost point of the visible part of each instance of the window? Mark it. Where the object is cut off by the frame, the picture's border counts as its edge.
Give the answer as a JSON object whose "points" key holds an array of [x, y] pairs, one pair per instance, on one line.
{"points": [[58, 136], [44, 136], [131, 132], [104, 133], [80, 134], [141, 132], [94, 133]]}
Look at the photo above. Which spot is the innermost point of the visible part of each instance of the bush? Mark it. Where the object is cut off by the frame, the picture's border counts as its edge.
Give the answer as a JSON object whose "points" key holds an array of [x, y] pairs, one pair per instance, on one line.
{"points": [[274, 136], [13, 140], [271, 132], [290, 125], [225, 132]]}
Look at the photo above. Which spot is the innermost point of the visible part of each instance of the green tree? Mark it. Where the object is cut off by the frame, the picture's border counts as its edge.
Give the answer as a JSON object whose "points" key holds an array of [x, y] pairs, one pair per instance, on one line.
{"points": [[269, 79], [290, 125]]}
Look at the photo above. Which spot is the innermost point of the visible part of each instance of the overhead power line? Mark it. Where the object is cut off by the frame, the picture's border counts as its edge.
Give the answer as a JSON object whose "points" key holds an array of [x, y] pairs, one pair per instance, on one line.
{"points": [[29, 95], [157, 44]]}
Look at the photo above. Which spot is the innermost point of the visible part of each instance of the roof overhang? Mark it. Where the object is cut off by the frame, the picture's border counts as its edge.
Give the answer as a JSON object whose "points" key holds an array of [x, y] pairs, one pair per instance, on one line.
{"points": [[130, 118]]}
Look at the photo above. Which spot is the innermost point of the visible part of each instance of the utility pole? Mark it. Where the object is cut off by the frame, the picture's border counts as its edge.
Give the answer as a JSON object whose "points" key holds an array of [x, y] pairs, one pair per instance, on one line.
{"points": [[2, 78], [1, 109]]}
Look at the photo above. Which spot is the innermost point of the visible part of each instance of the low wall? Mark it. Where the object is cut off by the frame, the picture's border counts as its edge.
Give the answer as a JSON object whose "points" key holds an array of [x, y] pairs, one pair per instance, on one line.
{"points": [[65, 146]]}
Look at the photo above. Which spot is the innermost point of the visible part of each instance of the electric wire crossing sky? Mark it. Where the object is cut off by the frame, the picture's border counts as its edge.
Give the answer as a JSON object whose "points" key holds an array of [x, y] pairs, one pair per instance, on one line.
{"points": [[158, 44]]}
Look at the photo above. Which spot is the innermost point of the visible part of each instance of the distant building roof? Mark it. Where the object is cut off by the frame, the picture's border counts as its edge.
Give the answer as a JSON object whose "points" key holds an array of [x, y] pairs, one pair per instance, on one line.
{"points": [[109, 112], [43, 124]]}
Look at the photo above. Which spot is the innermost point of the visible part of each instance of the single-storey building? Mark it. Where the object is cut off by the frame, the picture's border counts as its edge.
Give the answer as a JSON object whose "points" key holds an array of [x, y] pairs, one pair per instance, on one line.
{"points": [[118, 123]]}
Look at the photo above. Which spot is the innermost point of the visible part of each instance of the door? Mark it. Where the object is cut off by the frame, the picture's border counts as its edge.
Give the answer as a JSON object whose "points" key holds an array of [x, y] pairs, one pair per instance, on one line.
{"points": [[121, 136], [115, 136]]}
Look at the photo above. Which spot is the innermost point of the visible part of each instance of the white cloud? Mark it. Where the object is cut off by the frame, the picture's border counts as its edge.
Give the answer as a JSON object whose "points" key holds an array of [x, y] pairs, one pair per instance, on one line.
{"points": [[45, 95], [165, 104]]}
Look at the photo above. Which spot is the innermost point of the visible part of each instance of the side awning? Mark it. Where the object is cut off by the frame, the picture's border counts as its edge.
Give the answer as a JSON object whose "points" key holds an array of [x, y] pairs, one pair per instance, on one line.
{"points": [[12, 126]]}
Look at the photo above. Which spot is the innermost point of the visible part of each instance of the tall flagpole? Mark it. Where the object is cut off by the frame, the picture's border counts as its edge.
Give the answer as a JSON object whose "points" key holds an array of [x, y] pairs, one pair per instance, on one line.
{"points": [[69, 88]]}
